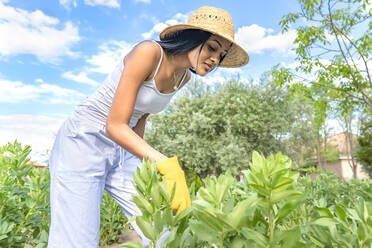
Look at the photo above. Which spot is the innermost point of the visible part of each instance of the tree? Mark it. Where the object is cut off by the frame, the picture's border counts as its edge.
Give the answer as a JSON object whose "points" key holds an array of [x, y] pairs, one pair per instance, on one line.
{"points": [[364, 153], [212, 129], [346, 119], [333, 48]]}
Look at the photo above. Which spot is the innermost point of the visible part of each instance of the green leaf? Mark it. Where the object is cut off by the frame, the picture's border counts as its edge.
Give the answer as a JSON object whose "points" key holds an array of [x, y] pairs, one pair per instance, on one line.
{"points": [[163, 192], [289, 238], [131, 244], [324, 212], [183, 214], [239, 242], [206, 195], [285, 210], [224, 183], [288, 195], [139, 182], [146, 227], [155, 195], [158, 223], [324, 221], [43, 236], [235, 218], [203, 233], [341, 213], [255, 236], [143, 204], [258, 162], [168, 216]]}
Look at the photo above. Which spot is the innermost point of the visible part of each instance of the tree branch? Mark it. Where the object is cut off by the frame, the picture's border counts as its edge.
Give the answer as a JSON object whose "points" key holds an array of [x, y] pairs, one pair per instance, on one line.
{"points": [[366, 98], [330, 87]]}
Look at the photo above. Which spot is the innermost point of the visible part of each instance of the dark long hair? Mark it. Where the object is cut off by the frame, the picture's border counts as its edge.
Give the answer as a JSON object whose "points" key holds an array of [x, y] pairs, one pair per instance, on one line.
{"points": [[184, 41]]}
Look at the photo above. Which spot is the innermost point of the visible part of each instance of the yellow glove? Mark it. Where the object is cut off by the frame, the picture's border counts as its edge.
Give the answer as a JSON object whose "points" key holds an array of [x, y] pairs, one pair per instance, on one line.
{"points": [[174, 175]]}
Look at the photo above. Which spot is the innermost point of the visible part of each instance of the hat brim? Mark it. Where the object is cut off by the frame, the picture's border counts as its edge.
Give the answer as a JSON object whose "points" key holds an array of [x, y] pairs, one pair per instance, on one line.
{"points": [[236, 57]]}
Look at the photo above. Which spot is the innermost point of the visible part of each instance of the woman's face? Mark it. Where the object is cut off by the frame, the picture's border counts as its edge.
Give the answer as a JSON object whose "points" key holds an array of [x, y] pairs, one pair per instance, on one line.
{"points": [[213, 50]]}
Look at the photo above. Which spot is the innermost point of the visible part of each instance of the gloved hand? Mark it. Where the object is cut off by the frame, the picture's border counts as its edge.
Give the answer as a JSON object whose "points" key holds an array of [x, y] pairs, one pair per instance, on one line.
{"points": [[174, 175]]}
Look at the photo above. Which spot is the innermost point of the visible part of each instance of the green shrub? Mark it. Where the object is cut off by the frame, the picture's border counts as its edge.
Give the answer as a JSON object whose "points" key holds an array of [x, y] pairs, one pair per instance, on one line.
{"points": [[24, 199], [25, 207], [271, 207]]}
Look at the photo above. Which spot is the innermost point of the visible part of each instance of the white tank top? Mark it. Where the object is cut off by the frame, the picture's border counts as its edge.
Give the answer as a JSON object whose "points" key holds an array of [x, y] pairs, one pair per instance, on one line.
{"points": [[149, 99]]}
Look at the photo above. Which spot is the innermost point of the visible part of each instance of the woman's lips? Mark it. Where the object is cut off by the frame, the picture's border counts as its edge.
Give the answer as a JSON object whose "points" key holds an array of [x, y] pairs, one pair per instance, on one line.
{"points": [[208, 66]]}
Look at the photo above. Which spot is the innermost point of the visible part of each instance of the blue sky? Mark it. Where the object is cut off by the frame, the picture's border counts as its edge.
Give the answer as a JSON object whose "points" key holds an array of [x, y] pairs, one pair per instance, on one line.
{"points": [[55, 53]]}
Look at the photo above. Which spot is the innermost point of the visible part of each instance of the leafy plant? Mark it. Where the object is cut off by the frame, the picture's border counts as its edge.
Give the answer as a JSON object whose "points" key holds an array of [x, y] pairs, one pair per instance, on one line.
{"points": [[225, 212], [270, 207], [112, 221], [25, 208], [157, 214], [24, 194]]}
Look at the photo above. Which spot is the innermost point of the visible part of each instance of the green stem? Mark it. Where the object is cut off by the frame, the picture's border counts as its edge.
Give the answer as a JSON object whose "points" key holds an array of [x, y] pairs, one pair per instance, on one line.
{"points": [[221, 240], [271, 220], [271, 223]]}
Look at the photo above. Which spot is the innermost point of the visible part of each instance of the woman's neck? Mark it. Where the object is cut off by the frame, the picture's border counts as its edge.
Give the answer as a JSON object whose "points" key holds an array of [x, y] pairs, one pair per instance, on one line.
{"points": [[177, 63]]}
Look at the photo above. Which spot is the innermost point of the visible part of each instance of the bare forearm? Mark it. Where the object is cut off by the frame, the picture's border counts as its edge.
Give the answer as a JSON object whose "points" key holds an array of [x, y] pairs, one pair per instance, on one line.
{"points": [[126, 137]]}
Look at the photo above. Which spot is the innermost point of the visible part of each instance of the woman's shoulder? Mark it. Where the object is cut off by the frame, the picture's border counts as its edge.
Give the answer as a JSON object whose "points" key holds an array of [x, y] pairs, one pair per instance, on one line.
{"points": [[148, 47], [147, 53]]}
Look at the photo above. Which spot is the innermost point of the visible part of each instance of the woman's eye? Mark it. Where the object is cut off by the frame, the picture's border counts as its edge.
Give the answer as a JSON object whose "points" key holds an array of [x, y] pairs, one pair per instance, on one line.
{"points": [[212, 48]]}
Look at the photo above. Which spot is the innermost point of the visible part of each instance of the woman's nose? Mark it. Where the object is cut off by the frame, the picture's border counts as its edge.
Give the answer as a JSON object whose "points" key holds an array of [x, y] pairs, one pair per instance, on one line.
{"points": [[214, 58]]}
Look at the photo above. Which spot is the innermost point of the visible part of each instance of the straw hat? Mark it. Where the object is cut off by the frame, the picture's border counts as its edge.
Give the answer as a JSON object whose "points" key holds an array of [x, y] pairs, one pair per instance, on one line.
{"points": [[218, 22]]}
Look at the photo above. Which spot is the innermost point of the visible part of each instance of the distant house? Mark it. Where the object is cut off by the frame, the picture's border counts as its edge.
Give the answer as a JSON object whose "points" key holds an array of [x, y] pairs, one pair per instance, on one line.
{"points": [[343, 167]]}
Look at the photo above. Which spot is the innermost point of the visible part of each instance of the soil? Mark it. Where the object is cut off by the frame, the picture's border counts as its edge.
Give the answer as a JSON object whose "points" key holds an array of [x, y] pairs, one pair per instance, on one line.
{"points": [[130, 235]]}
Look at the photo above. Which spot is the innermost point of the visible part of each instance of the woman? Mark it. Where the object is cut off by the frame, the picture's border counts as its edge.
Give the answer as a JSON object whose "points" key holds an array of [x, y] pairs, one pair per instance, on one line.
{"points": [[100, 145]]}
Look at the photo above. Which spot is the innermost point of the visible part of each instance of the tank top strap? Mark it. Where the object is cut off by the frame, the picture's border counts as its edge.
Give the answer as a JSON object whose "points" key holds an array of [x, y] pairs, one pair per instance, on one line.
{"points": [[160, 60]]}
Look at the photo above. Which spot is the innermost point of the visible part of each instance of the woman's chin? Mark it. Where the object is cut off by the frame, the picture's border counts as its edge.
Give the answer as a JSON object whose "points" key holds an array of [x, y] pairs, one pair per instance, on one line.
{"points": [[202, 73]]}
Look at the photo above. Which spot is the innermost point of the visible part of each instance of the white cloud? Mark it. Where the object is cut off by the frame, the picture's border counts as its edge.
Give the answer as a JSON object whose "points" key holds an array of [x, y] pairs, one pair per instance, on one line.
{"points": [[111, 53], [256, 39], [24, 32], [107, 3], [39, 80], [37, 131], [290, 65], [143, 1], [158, 27], [82, 77], [67, 3], [16, 91]]}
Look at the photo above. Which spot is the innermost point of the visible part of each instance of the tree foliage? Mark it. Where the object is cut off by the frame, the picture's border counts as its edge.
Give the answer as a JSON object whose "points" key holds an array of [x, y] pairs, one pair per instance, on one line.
{"points": [[212, 129], [333, 48], [364, 153]]}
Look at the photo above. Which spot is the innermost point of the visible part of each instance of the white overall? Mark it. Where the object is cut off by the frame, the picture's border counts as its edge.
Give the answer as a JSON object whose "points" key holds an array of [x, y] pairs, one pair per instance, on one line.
{"points": [[84, 162]]}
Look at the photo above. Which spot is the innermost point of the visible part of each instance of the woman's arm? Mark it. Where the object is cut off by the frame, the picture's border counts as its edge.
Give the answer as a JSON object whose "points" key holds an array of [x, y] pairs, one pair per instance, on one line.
{"points": [[139, 65]]}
